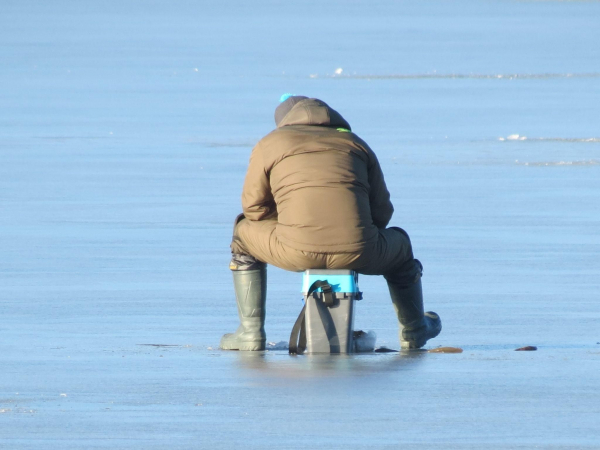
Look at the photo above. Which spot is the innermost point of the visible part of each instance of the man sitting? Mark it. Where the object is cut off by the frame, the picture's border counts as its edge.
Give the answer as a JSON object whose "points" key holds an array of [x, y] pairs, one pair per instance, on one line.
{"points": [[314, 197]]}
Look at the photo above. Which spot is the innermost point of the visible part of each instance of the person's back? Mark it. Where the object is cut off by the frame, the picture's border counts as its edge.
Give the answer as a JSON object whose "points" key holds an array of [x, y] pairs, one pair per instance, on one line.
{"points": [[325, 182], [315, 197]]}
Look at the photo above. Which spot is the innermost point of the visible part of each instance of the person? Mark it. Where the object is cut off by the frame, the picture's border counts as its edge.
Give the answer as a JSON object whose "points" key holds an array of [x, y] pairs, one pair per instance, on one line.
{"points": [[314, 197]]}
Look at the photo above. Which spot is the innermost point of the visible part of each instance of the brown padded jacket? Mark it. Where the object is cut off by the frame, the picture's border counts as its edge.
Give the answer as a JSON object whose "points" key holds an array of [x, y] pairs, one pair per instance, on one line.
{"points": [[320, 181]]}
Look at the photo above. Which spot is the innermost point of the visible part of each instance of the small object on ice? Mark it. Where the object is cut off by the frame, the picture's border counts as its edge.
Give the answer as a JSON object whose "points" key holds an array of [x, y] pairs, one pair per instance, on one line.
{"points": [[529, 348], [63, 395], [513, 137], [364, 342], [385, 350], [281, 345], [339, 71], [446, 350]]}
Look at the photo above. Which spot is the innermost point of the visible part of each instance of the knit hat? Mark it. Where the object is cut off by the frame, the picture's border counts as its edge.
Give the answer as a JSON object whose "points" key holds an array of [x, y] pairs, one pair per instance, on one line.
{"points": [[287, 103]]}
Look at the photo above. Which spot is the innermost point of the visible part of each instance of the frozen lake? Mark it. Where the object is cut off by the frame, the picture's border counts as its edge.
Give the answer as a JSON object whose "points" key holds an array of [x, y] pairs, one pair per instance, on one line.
{"points": [[125, 131]]}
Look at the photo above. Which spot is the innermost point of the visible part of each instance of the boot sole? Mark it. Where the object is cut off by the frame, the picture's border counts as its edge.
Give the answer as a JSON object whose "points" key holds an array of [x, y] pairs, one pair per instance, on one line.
{"points": [[244, 346], [412, 345], [417, 344]]}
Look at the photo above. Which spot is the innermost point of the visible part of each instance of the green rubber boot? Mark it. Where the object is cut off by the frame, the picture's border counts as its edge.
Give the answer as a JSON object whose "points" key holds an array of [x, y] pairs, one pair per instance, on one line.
{"points": [[250, 284], [417, 326]]}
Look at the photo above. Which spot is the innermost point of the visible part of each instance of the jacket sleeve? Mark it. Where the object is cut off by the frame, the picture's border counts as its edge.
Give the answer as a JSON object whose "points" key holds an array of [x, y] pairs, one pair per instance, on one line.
{"points": [[257, 199], [379, 196]]}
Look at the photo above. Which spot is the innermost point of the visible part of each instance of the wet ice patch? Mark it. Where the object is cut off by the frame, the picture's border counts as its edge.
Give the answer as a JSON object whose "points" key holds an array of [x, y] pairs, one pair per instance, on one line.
{"points": [[589, 162], [558, 139], [17, 411], [518, 137], [473, 76], [160, 345]]}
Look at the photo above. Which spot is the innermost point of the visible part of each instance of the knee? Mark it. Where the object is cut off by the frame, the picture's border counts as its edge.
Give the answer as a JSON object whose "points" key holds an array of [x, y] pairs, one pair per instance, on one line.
{"points": [[405, 241], [240, 262], [407, 274], [237, 244]]}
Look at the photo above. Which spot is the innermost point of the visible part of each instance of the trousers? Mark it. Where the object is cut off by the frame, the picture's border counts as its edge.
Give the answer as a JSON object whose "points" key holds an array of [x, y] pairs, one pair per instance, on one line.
{"points": [[391, 255]]}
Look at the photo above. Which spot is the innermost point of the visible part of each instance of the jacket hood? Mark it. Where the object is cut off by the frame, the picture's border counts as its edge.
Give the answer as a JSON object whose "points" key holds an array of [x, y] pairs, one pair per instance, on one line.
{"points": [[312, 111]]}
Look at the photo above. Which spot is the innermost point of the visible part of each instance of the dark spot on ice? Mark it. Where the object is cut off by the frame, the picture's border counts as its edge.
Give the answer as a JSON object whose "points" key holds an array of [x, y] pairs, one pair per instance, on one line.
{"points": [[529, 348], [385, 350], [160, 345]]}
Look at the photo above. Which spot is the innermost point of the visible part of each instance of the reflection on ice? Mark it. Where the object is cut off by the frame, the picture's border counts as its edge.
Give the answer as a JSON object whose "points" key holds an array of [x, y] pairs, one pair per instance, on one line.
{"points": [[317, 366]]}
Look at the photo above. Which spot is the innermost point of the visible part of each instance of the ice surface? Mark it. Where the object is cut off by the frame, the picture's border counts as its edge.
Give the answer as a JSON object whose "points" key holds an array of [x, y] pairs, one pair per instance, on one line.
{"points": [[125, 131]]}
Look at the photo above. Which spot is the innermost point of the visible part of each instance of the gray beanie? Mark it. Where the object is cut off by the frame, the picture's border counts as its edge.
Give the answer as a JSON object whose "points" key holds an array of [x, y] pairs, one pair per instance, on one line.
{"points": [[286, 106]]}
